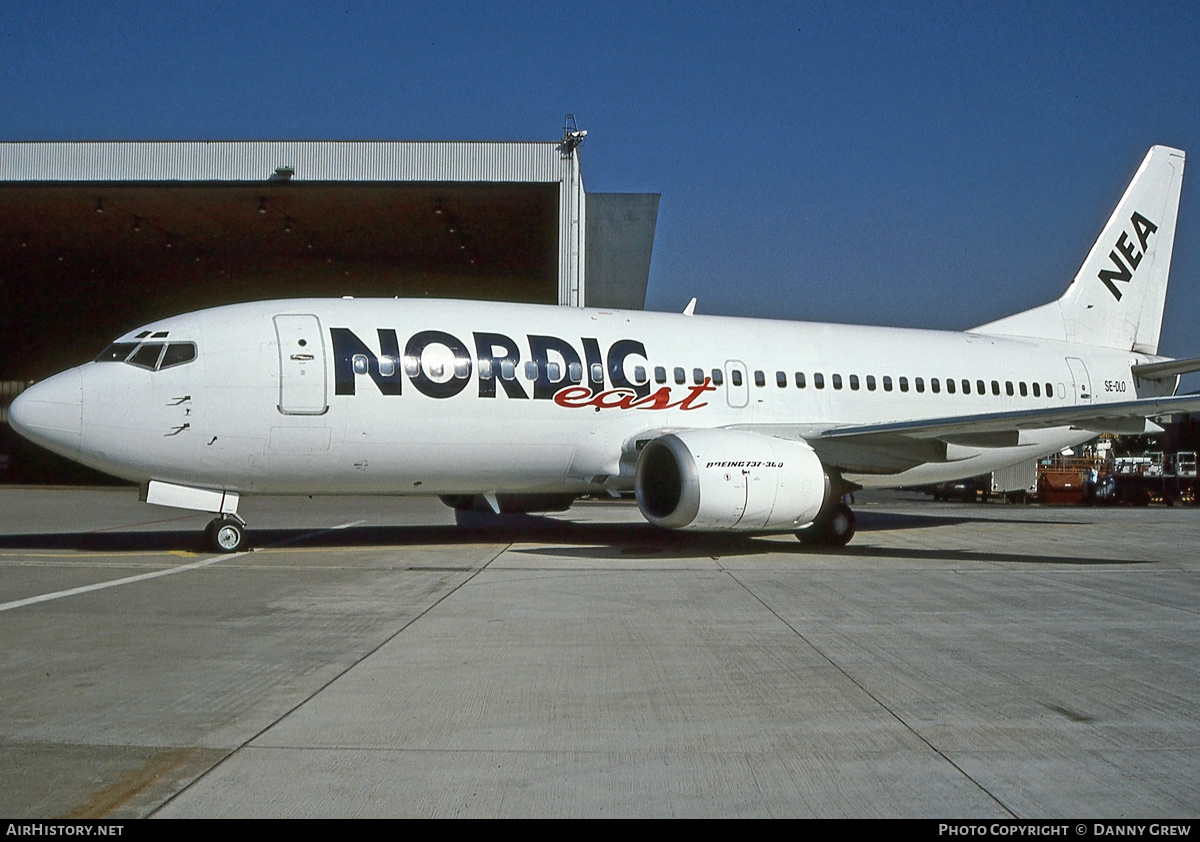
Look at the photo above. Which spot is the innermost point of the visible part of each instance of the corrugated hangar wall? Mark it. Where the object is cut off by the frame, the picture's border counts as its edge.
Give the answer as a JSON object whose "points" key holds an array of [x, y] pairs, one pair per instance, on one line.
{"points": [[97, 237]]}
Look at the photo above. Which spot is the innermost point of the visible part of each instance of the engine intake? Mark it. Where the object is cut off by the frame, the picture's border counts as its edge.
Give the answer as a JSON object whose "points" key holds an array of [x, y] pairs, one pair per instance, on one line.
{"points": [[730, 480]]}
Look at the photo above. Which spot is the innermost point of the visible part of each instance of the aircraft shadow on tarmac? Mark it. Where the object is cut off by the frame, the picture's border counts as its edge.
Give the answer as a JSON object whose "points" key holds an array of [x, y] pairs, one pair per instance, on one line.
{"points": [[570, 540]]}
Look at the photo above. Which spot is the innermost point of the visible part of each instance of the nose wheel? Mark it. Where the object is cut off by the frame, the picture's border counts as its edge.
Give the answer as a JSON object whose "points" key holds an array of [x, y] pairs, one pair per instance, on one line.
{"points": [[225, 534]]}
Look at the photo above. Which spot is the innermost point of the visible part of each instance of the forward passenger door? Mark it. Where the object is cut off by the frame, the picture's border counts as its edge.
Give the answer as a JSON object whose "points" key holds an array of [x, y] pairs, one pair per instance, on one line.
{"points": [[302, 376]]}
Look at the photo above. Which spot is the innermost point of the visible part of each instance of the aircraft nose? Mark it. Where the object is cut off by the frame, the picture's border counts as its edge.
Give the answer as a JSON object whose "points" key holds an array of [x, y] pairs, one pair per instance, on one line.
{"points": [[50, 413]]}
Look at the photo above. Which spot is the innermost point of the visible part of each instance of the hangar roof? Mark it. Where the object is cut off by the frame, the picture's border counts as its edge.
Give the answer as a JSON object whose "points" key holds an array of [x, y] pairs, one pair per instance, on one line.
{"points": [[309, 160]]}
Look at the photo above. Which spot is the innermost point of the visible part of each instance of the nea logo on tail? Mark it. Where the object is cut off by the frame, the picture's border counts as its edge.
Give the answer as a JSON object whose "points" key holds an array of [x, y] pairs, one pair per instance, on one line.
{"points": [[1143, 228]]}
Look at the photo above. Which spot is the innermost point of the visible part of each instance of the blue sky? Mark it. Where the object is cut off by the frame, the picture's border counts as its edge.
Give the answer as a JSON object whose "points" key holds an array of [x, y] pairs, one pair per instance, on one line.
{"points": [[920, 164]]}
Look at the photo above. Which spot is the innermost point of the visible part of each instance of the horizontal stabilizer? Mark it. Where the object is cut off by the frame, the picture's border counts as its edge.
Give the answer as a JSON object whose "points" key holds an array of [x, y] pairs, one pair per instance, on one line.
{"points": [[1165, 369]]}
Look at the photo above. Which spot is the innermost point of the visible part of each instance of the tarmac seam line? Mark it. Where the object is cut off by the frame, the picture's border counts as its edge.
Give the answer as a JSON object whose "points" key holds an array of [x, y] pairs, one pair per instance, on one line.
{"points": [[873, 697], [323, 687]]}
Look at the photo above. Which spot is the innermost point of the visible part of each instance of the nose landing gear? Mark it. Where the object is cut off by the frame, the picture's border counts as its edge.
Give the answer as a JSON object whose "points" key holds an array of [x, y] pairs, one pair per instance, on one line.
{"points": [[225, 534]]}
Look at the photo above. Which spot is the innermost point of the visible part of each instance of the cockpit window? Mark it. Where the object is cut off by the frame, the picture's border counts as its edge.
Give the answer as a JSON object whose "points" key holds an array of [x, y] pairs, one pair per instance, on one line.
{"points": [[116, 352], [178, 353], [149, 355]]}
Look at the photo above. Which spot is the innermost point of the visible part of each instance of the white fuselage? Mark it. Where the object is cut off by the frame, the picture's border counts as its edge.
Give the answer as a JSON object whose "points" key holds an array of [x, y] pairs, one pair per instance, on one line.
{"points": [[437, 397]]}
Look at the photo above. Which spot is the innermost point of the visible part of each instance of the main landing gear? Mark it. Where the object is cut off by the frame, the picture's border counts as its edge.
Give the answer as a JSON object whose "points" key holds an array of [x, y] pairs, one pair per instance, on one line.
{"points": [[832, 528], [225, 534]]}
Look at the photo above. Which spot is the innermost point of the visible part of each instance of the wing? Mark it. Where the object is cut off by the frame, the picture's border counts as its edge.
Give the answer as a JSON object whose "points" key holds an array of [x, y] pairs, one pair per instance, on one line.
{"points": [[900, 445], [980, 429]]}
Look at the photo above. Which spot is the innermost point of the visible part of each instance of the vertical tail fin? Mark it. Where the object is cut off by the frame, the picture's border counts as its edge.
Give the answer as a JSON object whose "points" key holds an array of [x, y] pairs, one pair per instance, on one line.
{"points": [[1116, 299]]}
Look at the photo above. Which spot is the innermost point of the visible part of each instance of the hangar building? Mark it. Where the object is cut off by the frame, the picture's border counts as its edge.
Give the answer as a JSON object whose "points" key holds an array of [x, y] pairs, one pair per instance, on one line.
{"points": [[98, 237]]}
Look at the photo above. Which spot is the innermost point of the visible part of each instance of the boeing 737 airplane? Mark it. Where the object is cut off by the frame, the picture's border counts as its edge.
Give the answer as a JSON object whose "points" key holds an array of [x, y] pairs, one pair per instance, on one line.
{"points": [[721, 424]]}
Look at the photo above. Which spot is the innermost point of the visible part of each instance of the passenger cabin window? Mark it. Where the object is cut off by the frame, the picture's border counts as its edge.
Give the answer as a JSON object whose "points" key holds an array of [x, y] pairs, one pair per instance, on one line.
{"points": [[934, 385], [508, 369], [760, 379], [485, 369], [780, 379], [680, 377], [1008, 388], [887, 383], [837, 381], [697, 376], [639, 375], [553, 374], [818, 380], [736, 377], [660, 374], [799, 379], [717, 378], [966, 384], [870, 382], [903, 384], [980, 387], [575, 371], [854, 382], [531, 370], [1037, 389], [995, 387], [920, 381], [387, 365], [1024, 390], [950, 386], [597, 373]]}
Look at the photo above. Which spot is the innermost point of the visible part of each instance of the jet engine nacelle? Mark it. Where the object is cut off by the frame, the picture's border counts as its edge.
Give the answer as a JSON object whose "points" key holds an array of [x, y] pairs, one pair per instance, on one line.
{"points": [[730, 480]]}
